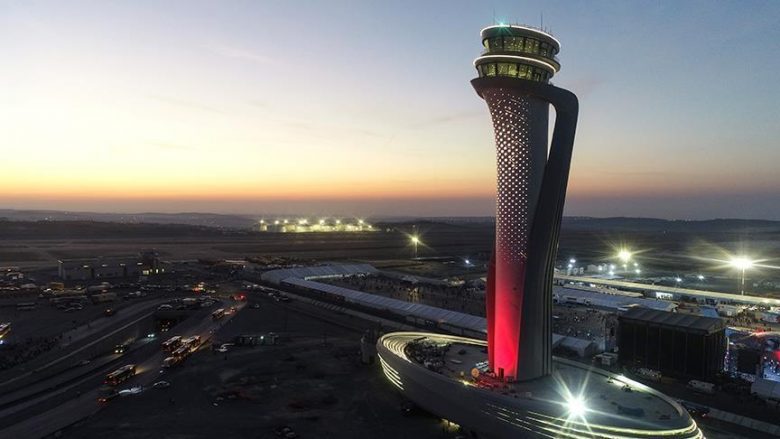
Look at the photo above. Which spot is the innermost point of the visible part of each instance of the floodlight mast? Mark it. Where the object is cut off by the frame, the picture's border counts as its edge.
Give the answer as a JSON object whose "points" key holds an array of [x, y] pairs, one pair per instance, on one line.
{"points": [[514, 73]]}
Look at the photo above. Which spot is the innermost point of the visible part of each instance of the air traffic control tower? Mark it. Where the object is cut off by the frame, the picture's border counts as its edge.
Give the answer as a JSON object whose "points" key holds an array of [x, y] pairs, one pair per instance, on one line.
{"points": [[514, 72], [511, 385]]}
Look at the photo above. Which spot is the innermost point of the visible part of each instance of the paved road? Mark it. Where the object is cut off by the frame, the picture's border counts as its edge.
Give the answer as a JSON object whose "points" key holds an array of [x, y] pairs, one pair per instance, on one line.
{"points": [[66, 413], [102, 327]]}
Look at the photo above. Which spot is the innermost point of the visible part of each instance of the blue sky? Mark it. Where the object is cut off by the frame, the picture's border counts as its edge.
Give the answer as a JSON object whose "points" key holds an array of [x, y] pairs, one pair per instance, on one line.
{"points": [[365, 107]]}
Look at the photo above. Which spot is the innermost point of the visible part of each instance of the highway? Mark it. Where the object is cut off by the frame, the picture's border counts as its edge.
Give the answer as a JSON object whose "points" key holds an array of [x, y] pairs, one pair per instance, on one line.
{"points": [[71, 400], [635, 286]]}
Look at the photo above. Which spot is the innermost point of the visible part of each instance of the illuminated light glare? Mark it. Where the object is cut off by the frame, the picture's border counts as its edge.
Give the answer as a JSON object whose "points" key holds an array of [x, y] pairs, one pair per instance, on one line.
{"points": [[637, 271], [572, 261], [624, 255], [322, 221], [678, 279], [700, 277], [415, 240], [576, 406], [741, 262]]}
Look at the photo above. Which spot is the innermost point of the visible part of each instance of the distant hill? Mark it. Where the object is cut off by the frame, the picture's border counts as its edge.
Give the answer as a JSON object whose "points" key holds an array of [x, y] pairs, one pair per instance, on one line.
{"points": [[661, 225], [17, 230], [193, 219], [245, 222]]}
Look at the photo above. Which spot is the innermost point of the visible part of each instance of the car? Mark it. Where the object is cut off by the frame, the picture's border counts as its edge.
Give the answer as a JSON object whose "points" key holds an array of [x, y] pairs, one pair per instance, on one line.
{"points": [[161, 385], [109, 312], [285, 432], [164, 307], [135, 390], [120, 349], [107, 398], [84, 362], [255, 306], [695, 410]]}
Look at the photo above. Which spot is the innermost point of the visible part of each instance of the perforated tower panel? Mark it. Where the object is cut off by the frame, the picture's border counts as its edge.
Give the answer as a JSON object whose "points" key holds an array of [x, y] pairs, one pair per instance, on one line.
{"points": [[520, 124]]}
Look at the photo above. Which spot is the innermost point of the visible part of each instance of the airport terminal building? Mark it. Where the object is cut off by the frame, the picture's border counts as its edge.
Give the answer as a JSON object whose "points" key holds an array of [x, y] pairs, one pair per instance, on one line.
{"points": [[675, 344]]}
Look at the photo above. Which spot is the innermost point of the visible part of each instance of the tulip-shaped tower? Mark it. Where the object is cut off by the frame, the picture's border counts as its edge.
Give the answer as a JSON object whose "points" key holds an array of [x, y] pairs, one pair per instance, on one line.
{"points": [[514, 73]]}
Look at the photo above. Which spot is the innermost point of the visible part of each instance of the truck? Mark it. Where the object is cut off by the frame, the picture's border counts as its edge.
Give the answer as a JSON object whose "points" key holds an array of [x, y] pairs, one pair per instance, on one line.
{"points": [[701, 387]]}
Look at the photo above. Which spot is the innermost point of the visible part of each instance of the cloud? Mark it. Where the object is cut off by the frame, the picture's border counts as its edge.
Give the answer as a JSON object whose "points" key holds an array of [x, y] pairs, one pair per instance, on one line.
{"points": [[186, 104], [238, 53]]}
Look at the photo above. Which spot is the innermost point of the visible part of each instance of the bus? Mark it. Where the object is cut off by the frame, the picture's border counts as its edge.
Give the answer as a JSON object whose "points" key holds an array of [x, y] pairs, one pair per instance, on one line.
{"points": [[218, 314], [191, 343], [5, 328], [171, 344], [120, 375]]}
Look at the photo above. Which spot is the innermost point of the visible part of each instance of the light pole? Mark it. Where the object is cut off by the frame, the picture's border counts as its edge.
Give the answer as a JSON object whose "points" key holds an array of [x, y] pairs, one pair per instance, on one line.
{"points": [[415, 241], [742, 263], [624, 255]]}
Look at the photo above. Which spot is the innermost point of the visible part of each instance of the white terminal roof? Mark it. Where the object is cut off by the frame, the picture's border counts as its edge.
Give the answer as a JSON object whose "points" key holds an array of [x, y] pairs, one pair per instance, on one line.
{"points": [[636, 286], [317, 271], [611, 301], [432, 313]]}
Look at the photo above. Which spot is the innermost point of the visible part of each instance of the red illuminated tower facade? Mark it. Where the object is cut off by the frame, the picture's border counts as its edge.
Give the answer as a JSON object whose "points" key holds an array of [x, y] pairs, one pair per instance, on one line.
{"points": [[514, 73]]}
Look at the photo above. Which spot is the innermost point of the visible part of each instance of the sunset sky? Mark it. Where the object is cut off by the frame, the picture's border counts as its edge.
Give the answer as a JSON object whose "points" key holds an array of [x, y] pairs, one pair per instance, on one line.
{"points": [[365, 107]]}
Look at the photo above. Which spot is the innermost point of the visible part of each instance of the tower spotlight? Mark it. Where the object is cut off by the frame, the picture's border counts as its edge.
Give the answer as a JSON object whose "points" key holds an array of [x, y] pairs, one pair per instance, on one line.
{"points": [[576, 407]]}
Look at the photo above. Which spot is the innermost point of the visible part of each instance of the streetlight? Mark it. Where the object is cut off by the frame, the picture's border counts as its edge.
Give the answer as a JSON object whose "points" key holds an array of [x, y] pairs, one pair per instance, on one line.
{"points": [[415, 241], [742, 263], [624, 255]]}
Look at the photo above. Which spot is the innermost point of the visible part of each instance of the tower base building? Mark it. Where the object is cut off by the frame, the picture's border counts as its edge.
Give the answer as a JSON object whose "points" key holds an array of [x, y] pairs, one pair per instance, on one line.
{"points": [[444, 375]]}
